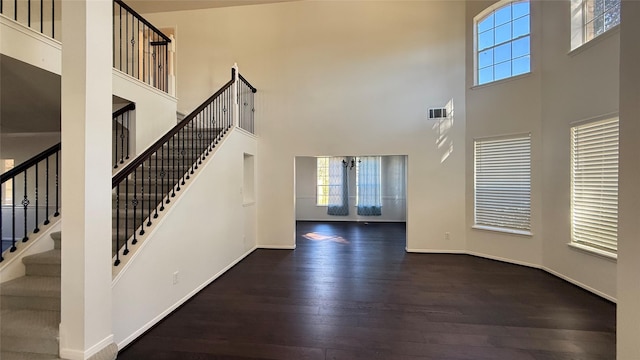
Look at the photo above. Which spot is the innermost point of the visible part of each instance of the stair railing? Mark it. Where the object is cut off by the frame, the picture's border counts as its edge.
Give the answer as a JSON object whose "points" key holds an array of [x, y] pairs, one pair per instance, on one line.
{"points": [[139, 48], [38, 15], [23, 186], [151, 180], [246, 104], [121, 134]]}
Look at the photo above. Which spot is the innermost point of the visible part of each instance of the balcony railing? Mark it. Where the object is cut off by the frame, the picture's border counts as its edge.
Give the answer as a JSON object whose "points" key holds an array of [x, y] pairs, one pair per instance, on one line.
{"points": [[39, 15], [139, 48]]}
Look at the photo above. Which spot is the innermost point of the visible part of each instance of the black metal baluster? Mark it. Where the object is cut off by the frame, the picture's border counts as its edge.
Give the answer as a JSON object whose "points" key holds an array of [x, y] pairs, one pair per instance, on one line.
{"points": [[149, 195], [126, 36], [174, 171], [57, 213], [133, 41], [46, 194], [163, 175], [29, 13], [117, 262], [128, 132], [13, 214], [25, 204], [15, 10], [194, 135], [142, 217], [120, 42], [126, 217], [179, 157], [37, 229], [156, 184], [134, 203]]}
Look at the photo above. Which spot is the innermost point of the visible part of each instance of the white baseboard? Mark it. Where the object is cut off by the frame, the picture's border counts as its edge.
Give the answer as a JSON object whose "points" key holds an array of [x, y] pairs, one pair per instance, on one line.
{"points": [[498, 258], [73, 354], [517, 262], [577, 283], [277, 247], [171, 308], [433, 251]]}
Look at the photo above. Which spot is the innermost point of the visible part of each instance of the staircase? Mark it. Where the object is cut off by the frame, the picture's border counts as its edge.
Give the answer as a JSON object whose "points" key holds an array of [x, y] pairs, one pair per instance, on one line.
{"points": [[30, 308], [167, 169]]}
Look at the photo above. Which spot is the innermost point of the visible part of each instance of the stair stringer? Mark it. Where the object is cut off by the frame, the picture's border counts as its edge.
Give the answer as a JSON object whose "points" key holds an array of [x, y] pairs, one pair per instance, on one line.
{"points": [[12, 266], [200, 235]]}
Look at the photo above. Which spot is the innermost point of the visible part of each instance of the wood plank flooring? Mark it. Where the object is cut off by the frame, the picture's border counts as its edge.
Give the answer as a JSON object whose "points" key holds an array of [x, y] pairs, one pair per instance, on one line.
{"points": [[350, 291]]}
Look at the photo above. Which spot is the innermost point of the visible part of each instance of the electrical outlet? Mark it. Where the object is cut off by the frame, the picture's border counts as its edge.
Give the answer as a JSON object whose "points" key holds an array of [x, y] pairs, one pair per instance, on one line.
{"points": [[447, 236], [176, 277]]}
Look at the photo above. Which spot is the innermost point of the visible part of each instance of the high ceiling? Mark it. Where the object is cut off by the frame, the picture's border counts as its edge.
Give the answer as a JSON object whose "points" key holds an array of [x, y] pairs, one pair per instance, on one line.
{"points": [[151, 6]]}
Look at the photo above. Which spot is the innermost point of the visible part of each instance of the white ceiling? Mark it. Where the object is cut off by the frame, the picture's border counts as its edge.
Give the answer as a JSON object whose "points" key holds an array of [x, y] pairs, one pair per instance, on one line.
{"points": [[151, 6], [29, 98]]}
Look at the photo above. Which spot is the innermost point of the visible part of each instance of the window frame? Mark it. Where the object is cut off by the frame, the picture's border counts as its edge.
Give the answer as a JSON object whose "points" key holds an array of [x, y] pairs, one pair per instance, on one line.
{"points": [[7, 187], [326, 182], [579, 23], [586, 245], [496, 226], [357, 161], [476, 51]]}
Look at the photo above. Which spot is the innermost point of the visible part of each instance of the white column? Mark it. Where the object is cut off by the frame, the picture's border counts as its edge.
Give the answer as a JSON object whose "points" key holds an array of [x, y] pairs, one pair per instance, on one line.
{"points": [[628, 292], [86, 322]]}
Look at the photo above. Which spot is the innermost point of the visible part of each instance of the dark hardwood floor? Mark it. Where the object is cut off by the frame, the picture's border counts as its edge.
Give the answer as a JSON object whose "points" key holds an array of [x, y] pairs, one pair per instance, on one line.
{"points": [[349, 291]]}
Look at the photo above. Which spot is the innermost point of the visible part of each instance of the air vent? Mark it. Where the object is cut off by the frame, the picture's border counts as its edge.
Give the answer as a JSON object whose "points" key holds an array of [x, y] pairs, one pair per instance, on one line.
{"points": [[437, 113]]}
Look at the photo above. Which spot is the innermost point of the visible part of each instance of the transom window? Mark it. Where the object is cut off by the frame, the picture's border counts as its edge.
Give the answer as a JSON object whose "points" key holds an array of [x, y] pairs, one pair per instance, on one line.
{"points": [[503, 44], [591, 18]]}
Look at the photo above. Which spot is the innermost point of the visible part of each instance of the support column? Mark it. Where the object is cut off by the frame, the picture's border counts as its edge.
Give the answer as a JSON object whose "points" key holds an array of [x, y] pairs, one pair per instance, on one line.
{"points": [[628, 292], [86, 319]]}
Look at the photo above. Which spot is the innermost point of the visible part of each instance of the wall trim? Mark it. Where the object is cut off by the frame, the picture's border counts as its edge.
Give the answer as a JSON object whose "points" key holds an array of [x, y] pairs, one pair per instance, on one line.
{"points": [[579, 284], [277, 247], [73, 354], [521, 263], [173, 307], [126, 77]]}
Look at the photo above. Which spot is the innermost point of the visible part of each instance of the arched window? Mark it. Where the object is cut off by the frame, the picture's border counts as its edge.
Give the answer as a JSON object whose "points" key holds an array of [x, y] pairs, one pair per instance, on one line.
{"points": [[503, 41]]}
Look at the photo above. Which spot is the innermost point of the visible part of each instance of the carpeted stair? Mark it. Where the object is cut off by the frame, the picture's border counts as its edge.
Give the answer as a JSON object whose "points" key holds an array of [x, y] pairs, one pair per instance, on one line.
{"points": [[165, 169], [30, 308]]}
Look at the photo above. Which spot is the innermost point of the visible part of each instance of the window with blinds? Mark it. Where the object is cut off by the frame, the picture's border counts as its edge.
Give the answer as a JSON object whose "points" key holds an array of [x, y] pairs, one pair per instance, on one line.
{"points": [[503, 183], [594, 185]]}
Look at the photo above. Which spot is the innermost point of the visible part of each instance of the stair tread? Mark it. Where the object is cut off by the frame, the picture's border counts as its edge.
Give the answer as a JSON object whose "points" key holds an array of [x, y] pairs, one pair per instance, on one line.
{"points": [[51, 257], [37, 286], [9, 355], [41, 324]]}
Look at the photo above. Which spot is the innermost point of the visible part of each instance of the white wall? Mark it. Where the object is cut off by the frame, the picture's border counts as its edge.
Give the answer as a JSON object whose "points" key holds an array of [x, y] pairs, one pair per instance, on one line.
{"points": [[628, 319], [503, 108], [203, 232], [155, 110], [576, 86], [30, 46], [392, 192], [337, 78], [561, 89]]}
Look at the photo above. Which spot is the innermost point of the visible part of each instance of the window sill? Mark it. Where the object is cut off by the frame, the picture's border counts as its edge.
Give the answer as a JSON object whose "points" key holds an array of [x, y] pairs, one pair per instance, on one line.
{"points": [[593, 251], [503, 230], [596, 40], [501, 81]]}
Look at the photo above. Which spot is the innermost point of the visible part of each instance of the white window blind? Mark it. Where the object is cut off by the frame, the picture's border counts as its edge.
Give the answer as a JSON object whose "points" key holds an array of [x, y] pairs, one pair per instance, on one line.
{"points": [[503, 183], [594, 184]]}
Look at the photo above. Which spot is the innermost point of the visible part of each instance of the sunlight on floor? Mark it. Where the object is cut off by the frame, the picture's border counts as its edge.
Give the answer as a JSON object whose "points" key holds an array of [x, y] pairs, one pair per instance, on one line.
{"points": [[314, 236]]}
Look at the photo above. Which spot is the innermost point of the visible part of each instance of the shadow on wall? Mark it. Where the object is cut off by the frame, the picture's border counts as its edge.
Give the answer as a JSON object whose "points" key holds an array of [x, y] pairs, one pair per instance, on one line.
{"points": [[443, 127]]}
